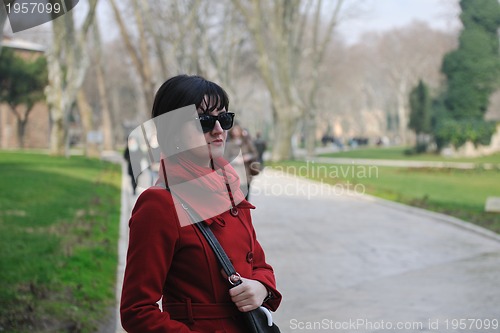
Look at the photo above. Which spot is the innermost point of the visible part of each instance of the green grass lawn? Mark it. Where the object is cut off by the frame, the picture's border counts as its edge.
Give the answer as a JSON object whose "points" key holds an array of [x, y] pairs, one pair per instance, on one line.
{"points": [[460, 193], [59, 223], [398, 153]]}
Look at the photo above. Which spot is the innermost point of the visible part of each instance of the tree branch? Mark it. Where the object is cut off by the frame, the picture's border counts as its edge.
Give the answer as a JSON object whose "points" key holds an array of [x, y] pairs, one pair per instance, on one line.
{"points": [[126, 38]]}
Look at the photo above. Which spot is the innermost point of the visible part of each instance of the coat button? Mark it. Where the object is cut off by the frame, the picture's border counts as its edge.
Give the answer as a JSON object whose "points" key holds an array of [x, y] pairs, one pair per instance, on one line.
{"points": [[250, 257]]}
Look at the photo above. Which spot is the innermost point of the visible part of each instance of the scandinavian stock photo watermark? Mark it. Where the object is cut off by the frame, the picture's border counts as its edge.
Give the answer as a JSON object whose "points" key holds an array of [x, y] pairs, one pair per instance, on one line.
{"points": [[327, 180], [430, 324]]}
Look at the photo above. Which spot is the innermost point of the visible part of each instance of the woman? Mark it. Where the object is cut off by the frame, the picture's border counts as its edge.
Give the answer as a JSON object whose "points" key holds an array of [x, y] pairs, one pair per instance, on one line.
{"points": [[168, 258]]}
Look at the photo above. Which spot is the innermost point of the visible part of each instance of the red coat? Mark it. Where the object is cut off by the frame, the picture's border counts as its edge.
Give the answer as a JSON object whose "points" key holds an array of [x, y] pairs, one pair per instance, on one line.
{"points": [[177, 263]]}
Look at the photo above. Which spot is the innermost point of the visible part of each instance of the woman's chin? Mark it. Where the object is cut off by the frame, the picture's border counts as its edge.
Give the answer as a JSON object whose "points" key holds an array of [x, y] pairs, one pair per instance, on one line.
{"points": [[203, 154], [216, 151]]}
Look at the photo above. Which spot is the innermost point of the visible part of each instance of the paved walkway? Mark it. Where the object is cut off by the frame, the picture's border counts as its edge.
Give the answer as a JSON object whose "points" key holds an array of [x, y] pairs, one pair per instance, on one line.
{"points": [[353, 263]]}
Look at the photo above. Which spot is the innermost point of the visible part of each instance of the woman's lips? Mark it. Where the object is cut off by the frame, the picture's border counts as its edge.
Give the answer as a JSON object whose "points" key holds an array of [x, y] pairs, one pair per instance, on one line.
{"points": [[217, 142]]}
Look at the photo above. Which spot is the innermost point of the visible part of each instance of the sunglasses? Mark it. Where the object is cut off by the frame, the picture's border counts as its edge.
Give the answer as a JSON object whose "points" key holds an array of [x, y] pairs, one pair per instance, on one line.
{"points": [[226, 120]]}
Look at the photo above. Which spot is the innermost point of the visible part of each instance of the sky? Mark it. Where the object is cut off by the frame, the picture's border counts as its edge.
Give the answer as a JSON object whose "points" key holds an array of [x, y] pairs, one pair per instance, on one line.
{"points": [[382, 15], [371, 15]]}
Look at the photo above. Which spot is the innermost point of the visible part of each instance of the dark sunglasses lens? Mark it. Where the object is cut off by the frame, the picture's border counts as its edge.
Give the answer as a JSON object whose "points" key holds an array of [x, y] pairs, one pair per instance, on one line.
{"points": [[226, 120], [207, 123]]}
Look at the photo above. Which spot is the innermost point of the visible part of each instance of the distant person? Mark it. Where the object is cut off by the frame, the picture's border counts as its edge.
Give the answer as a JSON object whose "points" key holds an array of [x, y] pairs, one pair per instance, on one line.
{"points": [[239, 140], [261, 146], [132, 152]]}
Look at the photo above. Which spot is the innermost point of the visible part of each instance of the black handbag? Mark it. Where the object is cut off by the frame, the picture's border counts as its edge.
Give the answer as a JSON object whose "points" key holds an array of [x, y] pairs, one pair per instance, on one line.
{"points": [[258, 320]]}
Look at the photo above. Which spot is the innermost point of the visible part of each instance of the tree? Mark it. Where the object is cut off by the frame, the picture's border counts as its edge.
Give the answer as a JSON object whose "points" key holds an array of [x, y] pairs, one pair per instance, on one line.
{"points": [[22, 84], [420, 114], [192, 44], [67, 65], [106, 119], [140, 57], [93, 99], [472, 71], [369, 82], [277, 29], [403, 56], [474, 68]]}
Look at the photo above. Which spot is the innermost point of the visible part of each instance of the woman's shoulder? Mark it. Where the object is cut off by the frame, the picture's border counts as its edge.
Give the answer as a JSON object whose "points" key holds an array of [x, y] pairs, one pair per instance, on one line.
{"points": [[155, 195], [154, 214], [154, 201]]}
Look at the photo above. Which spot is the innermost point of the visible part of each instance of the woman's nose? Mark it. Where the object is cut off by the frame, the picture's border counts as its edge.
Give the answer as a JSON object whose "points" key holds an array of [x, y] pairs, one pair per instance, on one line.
{"points": [[217, 128]]}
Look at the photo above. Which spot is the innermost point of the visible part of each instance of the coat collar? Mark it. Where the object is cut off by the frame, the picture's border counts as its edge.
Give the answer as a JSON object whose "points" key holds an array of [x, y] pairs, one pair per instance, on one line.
{"points": [[220, 220]]}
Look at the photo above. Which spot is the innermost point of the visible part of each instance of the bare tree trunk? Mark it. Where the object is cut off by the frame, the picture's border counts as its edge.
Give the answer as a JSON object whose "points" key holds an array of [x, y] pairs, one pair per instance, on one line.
{"points": [[67, 65], [140, 59], [107, 126], [57, 109], [285, 127], [319, 49], [310, 133], [21, 125], [4, 138], [275, 68], [85, 110], [277, 29], [401, 100], [157, 40], [144, 51], [21, 122], [220, 54], [107, 123], [21, 131]]}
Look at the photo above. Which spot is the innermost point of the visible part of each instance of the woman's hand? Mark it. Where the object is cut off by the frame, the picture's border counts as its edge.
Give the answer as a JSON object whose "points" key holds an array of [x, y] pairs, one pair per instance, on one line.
{"points": [[249, 295]]}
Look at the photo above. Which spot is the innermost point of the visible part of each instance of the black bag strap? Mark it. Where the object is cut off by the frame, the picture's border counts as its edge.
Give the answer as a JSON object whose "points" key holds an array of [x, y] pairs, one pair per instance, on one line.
{"points": [[233, 277]]}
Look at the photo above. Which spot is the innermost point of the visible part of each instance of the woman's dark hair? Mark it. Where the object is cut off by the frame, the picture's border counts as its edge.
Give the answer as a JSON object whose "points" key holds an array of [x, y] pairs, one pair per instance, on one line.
{"points": [[184, 90]]}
